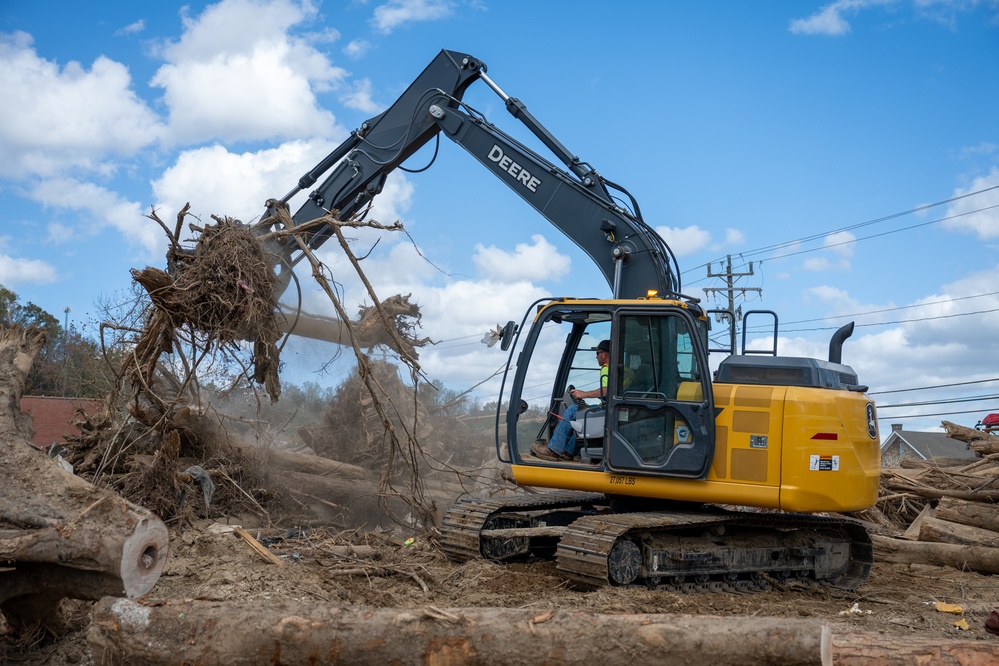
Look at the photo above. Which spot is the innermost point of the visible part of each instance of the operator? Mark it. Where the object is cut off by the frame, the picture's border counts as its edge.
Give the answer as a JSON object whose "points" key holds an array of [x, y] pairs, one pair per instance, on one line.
{"points": [[563, 442]]}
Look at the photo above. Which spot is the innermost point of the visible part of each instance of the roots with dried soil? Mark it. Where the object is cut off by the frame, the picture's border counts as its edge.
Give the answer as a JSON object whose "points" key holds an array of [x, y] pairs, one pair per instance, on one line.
{"points": [[217, 298]]}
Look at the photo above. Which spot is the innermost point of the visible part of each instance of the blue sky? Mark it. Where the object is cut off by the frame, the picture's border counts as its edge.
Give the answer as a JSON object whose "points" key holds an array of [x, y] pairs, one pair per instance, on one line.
{"points": [[779, 133]]}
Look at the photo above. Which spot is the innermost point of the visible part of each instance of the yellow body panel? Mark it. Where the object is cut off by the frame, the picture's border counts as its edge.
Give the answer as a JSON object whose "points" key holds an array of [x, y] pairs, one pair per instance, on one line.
{"points": [[791, 448]]}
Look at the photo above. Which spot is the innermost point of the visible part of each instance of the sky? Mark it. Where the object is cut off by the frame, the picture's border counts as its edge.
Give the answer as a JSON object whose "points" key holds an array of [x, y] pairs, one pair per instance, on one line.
{"points": [[844, 155]]}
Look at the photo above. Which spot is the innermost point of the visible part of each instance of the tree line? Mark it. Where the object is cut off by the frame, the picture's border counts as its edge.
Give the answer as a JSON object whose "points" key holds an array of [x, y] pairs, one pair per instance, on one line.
{"points": [[69, 365]]}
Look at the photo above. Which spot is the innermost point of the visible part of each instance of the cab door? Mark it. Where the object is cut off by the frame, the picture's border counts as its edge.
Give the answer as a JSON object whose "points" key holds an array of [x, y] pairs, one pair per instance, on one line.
{"points": [[660, 408]]}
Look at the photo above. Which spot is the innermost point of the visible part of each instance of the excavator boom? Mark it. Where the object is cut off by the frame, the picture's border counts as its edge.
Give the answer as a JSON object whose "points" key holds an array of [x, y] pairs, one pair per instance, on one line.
{"points": [[633, 258]]}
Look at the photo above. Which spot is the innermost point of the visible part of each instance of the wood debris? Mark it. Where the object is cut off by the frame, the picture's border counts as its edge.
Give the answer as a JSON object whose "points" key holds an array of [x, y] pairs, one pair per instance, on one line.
{"points": [[59, 535], [945, 514]]}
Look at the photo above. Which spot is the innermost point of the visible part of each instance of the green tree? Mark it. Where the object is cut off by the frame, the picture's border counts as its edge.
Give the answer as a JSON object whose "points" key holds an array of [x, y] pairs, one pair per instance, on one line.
{"points": [[69, 364], [13, 313]]}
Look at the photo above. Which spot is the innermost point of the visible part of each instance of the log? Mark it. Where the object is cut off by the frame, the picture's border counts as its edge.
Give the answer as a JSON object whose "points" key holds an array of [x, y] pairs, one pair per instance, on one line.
{"points": [[912, 532], [60, 536], [964, 433], [286, 632], [976, 514], [985, 447], [870, 649], [931, 492], [369, 329], [976, 558], [944, 531]]}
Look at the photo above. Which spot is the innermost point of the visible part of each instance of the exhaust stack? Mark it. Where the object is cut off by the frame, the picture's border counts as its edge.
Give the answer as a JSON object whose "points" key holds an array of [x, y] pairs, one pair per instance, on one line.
{"points": [[836, 343]]}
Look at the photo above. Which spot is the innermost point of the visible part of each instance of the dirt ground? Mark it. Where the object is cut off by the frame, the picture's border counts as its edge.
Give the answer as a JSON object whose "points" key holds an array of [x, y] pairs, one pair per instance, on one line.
{"points": [[208, 562]]}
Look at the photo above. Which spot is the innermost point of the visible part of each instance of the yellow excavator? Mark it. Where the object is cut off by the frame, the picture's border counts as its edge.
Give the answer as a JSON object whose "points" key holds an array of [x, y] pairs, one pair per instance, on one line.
{"points": [[682, 477]]}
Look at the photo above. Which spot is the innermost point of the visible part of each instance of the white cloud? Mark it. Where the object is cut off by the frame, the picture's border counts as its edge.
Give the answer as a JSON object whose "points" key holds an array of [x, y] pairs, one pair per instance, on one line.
{"points": [[734, 237], [357, 49], [16, 271], [217, 181], [539, 260], [973, 219], [839, 303], [131, 29], [237, 74], [943, 315], [394, 13], [685, 241], [822, 264], [942, 338], [459, 314], [101, 208], [830, 21], [394, 200], [840, 242], [827, 21], [54, 119], [359, 97], [985, 148], [834, 296]]}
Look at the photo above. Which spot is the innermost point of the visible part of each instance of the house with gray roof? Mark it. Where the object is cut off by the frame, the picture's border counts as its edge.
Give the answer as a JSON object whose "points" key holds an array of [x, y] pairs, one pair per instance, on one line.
{"points": [[903, 444]]}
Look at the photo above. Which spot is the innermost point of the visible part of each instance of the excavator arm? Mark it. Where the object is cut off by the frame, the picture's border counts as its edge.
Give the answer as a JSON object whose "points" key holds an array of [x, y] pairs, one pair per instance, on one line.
{"points": [[633, 258]]}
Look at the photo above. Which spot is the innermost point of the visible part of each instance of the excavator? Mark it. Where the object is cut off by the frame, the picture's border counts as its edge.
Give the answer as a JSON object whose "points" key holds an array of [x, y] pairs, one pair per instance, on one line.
{"points": [[685, 478]]}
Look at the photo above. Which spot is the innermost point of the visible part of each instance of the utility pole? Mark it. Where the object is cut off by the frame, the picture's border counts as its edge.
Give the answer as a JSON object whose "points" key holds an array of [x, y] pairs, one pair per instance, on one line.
{"points": [[65, 351], [730, 291]]}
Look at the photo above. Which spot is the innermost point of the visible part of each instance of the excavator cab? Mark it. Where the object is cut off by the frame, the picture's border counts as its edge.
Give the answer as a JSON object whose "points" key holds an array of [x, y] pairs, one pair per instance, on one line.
{"points": [[657, 417]]}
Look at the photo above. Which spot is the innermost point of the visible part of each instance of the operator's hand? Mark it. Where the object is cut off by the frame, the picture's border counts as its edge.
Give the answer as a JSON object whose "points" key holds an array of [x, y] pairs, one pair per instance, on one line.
{"points": [[574, 394]]}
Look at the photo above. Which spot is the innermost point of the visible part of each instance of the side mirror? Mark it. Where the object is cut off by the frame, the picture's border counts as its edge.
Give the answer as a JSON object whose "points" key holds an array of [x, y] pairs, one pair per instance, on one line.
{"points": [[506, 337]]}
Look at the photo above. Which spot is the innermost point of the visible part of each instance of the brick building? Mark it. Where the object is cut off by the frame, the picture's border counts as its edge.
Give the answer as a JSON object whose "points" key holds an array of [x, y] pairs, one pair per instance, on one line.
{"points": [[54, 417]]}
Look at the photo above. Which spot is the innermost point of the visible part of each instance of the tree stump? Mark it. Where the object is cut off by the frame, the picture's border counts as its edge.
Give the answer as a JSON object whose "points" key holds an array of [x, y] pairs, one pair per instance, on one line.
{"points": [[60, 536]]}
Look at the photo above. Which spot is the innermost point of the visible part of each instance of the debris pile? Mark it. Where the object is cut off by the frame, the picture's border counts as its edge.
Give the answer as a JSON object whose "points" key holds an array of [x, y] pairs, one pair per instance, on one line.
{"points": [[944, 515], [381, 457]]}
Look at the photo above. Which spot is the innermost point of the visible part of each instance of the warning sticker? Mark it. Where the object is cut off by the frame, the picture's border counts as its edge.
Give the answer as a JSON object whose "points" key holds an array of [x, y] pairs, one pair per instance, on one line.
{"points": [[823, 463]]}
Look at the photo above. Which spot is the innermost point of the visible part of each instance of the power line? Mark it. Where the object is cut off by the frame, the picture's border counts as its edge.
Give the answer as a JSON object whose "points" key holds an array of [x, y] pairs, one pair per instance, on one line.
{"points": [[824, 234], [950, 401], [926, 388], [897, 321], [921, 416], [885, 233], [883, 310], [896, 309]]}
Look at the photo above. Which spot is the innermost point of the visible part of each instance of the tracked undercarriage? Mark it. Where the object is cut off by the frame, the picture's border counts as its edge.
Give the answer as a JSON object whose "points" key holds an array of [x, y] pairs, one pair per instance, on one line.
{"points": [[595, 545]]}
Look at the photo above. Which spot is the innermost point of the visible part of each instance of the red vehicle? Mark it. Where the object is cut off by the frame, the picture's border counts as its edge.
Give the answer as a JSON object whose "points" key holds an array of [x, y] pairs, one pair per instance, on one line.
{"points": [[989, 424]]}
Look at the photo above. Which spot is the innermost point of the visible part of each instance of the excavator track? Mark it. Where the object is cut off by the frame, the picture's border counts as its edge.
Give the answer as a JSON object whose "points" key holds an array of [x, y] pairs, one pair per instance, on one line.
{"points": [[684, 551], [687, 551], [536, 517]]}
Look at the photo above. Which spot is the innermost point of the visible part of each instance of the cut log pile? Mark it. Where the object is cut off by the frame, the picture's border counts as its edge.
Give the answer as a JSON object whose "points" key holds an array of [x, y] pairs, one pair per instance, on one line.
{"points": [[949, 513]]}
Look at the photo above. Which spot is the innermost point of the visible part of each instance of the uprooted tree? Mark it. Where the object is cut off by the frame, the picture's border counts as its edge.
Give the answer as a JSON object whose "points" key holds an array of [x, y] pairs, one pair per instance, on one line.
{"points": [[216, 305]]}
